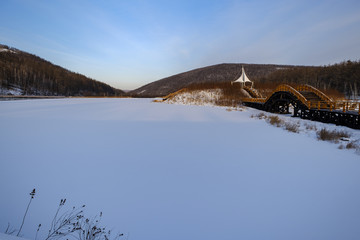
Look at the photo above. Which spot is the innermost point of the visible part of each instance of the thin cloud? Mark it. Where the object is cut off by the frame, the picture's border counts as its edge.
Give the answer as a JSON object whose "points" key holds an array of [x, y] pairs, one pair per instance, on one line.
{"points": [[138, 41]]}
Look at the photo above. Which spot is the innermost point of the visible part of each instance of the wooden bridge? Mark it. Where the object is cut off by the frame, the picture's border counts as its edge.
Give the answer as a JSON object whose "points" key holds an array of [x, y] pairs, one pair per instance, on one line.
{"points": [[308, 103]]}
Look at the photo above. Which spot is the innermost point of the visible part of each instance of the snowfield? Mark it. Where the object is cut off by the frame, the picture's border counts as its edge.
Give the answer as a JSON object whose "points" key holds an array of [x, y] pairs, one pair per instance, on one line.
{"points": [[170, 172], [4, 236], [12, 91]]}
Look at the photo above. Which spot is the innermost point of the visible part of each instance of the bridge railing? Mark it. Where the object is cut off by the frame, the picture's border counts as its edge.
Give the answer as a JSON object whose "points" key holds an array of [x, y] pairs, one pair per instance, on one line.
{"points": [[343, 106], [346, 106], [326, 103], [252, 92], [318, 105], [319, 93], [287, 88], [280, 88]]}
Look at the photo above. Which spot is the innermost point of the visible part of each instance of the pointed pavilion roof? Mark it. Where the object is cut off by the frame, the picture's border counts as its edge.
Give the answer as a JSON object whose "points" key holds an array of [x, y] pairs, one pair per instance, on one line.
{"points": [[243, 78]]}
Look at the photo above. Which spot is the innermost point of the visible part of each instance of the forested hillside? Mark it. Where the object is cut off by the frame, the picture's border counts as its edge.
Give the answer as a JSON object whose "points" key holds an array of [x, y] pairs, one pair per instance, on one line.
{"points": [[32, 75], [211, 74], [343, 77]]}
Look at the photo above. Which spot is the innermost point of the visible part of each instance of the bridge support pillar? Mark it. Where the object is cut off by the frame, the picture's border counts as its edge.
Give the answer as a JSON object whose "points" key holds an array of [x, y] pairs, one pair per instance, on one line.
{"points": [[296, 112]]}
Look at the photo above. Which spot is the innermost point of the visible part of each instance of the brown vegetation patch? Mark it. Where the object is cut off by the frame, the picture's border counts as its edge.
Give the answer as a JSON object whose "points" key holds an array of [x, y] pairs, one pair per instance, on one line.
{"points": [[351, 145], [310, 127], [275, 121], [291, 127], [231, 96], [259, 116], [331, 136]]}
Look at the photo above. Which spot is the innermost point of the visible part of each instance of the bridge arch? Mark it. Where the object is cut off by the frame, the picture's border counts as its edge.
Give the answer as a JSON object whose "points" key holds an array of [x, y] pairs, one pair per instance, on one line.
{"points": [[279, 102], [309, 103]]}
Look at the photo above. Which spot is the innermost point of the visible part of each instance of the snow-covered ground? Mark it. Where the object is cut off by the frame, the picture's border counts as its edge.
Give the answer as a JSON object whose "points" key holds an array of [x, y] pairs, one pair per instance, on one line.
{"points": [[4, 236], [164, 171], [196, 97], [11, 91], [2, 49], [208, 97]]}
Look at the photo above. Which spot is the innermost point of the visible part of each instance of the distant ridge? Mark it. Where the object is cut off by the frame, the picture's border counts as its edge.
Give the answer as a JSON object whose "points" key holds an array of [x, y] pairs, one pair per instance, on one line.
{"points": [[225, 72], [22, 73]]}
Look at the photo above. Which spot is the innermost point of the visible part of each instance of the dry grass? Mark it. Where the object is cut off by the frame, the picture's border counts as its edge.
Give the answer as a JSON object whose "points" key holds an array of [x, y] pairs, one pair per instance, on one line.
{"points": [[231, 93], [331, 136], [275, 121], [265, 89], [351, 145], [291, 127], [230, 109], [259, 116], [311, 127], [333, 93], [335, 136]]}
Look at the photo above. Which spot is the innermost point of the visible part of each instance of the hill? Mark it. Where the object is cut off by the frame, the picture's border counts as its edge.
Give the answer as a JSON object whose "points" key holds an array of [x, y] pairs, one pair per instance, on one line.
{"points": [[337, 79], [22, 73], [216, 73]]}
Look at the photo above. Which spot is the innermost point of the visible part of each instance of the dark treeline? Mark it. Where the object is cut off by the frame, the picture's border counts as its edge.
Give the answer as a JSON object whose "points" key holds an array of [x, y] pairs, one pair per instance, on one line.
{"points": [[35, 76], [343, 77]]}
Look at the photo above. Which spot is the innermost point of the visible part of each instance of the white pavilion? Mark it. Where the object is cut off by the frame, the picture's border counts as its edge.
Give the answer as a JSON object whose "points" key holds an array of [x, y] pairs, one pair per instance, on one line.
{"points": [[243, 79]]}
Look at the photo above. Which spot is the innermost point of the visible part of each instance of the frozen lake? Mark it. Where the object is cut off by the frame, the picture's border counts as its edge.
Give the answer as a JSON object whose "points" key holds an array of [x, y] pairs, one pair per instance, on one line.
{"points": [[160, 171]]}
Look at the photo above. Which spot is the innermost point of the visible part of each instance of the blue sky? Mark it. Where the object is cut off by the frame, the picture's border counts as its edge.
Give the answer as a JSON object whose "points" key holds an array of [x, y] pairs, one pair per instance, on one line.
{"points": [[130, 43]]}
